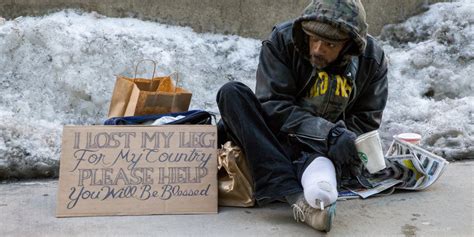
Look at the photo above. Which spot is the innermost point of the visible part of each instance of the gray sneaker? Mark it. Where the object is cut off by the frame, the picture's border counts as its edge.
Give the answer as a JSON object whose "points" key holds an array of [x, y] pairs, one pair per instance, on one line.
{"points": [[316, 218]]}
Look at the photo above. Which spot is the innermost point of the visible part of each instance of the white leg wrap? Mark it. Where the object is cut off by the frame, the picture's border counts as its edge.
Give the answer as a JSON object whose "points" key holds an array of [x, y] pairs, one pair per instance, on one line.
{"points": [[319, 183]]}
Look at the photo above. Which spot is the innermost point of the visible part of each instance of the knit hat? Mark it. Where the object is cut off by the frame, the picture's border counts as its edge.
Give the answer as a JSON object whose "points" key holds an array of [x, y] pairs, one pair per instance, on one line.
{"points": [[325, 31]]}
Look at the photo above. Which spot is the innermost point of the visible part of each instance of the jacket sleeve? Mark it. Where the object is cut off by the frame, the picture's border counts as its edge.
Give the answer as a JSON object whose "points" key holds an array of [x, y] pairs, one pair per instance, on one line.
{"points": [[366, 113], [277, 89]]}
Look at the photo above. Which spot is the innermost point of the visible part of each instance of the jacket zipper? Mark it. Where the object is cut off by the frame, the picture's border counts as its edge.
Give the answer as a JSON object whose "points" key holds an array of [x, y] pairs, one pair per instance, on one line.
{"points": [[298, 136], [330, 96], [352, 76], [311, 79], [353, 94]]}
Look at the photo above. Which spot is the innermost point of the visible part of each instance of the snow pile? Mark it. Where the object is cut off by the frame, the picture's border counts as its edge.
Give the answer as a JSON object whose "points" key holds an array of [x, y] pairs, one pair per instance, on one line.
{"points": [[60, 69], [431, 79]]}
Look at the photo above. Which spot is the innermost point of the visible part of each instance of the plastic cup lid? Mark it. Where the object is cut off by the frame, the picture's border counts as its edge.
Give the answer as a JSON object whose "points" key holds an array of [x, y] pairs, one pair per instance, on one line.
{"points": [[409, 136]]}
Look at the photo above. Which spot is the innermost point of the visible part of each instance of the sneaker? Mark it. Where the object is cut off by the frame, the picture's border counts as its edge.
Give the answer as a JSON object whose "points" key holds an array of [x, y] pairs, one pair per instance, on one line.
{"points": [[318, 219]]}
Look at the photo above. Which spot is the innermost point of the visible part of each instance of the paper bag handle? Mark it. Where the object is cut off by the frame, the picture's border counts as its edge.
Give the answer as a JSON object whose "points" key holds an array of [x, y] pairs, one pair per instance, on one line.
{"points": [[177, 81], [175, 88], [154, 69]]}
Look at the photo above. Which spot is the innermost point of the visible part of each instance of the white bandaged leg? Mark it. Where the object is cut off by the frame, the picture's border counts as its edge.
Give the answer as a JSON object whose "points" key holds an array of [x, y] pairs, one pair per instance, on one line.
{"points": [[319, 183]]}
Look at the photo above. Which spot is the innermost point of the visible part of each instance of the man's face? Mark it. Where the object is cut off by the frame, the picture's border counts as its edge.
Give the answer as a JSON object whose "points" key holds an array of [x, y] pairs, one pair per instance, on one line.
{"points": [[322, 52]]}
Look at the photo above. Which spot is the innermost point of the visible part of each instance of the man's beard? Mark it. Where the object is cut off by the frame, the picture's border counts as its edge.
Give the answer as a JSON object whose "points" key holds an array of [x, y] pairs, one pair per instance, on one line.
{"points": [[318, 61]]}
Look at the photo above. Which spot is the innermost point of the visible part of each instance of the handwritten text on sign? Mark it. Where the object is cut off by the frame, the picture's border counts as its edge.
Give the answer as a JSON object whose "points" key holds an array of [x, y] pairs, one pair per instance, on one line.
{"points": [[136, 165]]}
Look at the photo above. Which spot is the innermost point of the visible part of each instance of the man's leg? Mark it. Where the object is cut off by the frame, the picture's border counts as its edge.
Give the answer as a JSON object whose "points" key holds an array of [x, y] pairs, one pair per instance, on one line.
{"points": [[243, 117]]}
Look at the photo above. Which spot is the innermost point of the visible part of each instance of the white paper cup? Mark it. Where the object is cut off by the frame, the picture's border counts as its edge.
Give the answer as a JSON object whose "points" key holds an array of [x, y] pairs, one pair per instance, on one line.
{"points": [[369, 148], [413, 138]]}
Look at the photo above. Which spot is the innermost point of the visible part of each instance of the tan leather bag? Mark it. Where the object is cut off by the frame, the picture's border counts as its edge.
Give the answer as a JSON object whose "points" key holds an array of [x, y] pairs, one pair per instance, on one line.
{"points": [[236, 187]]}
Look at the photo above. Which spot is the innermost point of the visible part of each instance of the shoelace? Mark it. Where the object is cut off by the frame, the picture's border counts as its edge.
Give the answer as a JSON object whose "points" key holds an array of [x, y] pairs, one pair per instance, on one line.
{"points": [[298, 213]]}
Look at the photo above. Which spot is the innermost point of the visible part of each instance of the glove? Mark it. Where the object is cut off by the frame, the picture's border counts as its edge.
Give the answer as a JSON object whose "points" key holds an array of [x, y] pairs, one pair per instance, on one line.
{"points": [[342, 150]]}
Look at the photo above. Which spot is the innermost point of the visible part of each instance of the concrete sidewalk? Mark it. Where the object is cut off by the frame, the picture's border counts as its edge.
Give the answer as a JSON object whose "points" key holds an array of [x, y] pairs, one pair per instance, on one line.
{"points": [[444, 209]]}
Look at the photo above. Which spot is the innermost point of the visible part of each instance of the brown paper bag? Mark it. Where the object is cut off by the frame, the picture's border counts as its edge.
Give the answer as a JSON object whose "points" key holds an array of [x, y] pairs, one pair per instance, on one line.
{"points": [[139, 96], [235, 182]]}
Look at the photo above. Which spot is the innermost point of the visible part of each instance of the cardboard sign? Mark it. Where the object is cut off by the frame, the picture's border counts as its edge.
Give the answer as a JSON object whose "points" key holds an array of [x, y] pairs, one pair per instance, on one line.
{"points": [[138, 170]]}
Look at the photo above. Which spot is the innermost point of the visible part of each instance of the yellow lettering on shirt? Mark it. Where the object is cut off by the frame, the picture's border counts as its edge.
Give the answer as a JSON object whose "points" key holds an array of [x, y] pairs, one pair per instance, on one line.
{"points": [[321, 85], [343, 88], [324, 82], [339, 83], [314, 89]]}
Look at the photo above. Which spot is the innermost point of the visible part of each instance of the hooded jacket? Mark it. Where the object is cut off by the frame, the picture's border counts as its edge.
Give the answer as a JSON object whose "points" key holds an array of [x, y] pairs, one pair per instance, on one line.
{"points": [[305, 103]]}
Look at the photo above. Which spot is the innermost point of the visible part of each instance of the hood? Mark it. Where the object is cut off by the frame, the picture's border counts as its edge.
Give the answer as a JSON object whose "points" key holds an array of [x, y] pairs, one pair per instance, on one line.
{"points": [[347, 15]]}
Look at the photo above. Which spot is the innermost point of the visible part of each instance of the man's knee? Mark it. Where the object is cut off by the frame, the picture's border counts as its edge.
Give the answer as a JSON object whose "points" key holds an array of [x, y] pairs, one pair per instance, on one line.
{"points": [[232, 90]]}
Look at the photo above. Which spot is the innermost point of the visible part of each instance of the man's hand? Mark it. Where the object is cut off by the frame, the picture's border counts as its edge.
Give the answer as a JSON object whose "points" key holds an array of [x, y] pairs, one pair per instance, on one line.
{"points": [[342, 150]]}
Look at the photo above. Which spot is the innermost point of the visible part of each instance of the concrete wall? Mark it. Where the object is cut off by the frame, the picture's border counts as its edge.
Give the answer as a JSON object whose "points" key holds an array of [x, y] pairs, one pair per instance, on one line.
{"points": [[251, 18]]}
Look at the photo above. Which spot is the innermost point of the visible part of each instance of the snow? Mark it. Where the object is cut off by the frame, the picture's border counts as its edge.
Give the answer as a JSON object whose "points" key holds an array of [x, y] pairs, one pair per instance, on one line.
{"points": [[430, 79], [60, 69]]}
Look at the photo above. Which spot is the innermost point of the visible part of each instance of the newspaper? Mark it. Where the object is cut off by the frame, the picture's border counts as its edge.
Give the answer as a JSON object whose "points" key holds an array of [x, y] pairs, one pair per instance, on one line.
{"points": [[409, 167], [385, 185], [426, 167], [413, 174], [347, 194]]}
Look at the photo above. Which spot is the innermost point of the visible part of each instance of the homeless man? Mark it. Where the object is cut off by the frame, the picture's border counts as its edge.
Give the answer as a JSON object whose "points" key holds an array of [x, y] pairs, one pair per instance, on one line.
{"points": [[321, 82]]}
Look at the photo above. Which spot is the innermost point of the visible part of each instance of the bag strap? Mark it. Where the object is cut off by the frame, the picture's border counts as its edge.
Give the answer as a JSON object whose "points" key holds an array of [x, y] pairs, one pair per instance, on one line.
{"points": [[154, 69], [175, 88]]}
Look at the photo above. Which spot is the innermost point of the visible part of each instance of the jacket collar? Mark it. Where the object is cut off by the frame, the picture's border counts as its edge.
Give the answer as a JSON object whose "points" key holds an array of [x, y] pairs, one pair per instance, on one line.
{"points": [[351, 68]]}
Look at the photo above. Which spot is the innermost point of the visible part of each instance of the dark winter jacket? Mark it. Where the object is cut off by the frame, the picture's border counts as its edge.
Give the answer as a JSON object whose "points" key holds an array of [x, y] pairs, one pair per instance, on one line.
{"points": [[303, 103]]}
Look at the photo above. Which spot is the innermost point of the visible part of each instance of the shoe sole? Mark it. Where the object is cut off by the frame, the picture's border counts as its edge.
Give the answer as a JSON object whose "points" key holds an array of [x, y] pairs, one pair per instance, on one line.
{"points": [[331, 215]]}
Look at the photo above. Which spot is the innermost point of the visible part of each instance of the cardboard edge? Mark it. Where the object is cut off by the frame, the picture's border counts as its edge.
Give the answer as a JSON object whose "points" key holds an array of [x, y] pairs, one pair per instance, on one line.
{"points": [[87, 214]]}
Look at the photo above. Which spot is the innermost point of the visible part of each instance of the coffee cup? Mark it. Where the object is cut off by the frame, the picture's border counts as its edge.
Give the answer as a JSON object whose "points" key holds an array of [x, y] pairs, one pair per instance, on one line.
{"points": [[369, 148]]}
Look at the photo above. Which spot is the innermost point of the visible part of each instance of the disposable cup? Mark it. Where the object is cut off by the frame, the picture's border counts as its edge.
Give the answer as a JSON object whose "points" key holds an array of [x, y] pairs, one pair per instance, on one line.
{"points": [[413, 138], [369, 148]]}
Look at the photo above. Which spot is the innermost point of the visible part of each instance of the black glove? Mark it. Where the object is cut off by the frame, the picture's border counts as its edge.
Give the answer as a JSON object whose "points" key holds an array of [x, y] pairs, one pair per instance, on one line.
{"points": [[342, 150]]}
